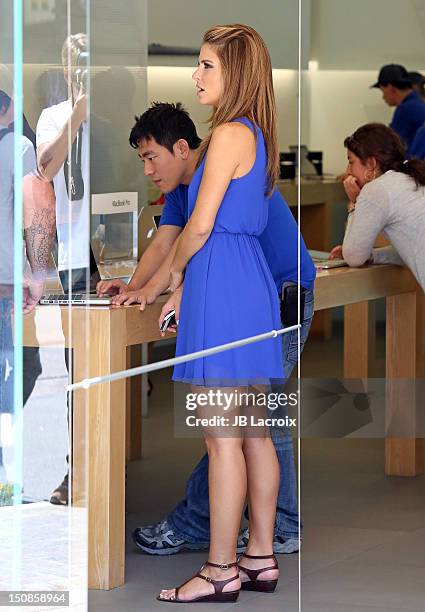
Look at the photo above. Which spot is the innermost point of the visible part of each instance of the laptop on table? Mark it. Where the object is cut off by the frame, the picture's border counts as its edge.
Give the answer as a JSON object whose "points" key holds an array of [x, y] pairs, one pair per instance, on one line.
{"points": [[78, 295], [321, 260]]}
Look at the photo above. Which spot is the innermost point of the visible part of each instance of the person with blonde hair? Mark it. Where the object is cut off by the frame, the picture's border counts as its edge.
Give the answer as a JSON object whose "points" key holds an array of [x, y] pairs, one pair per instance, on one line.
{"points": [[229, 294], [63, 158]]}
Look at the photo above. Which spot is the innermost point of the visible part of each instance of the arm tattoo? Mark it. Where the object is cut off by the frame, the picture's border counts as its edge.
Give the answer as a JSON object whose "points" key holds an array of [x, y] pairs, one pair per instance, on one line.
{"points": [[39, 238]]}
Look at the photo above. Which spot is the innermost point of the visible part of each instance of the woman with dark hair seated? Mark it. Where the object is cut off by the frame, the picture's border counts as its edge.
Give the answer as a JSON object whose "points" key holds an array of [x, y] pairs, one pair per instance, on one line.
{"points": [[386, 194]]}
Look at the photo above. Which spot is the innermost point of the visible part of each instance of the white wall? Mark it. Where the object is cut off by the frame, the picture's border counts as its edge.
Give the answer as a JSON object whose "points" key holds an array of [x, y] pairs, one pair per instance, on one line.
{"points": [[341, 101], [365, 34], [183, 23], [350, 41]]}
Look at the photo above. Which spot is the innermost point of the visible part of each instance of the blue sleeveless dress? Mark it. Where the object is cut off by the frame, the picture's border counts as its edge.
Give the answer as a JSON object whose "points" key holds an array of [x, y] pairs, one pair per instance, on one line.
{"points": [[229, 292]]}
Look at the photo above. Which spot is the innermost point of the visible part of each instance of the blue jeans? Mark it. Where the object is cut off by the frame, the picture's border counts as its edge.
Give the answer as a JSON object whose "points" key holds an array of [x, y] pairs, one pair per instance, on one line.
{"points": [[31, 361], [190, 519], [6, 356]]}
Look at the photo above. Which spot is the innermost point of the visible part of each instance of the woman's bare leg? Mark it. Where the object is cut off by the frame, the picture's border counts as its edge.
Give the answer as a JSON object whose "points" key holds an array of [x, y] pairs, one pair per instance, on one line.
{"points": [[227, 493], [263, 481], [227, 489]]}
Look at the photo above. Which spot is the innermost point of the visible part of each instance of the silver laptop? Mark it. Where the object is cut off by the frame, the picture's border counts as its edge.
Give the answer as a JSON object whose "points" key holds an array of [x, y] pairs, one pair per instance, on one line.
{"points": [[75, 299], [321, 260], [79, 298]]}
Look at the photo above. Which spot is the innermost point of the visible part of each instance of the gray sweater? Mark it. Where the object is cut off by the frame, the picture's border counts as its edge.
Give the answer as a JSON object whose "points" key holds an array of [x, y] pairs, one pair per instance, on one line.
{"points": [[391, 204]]}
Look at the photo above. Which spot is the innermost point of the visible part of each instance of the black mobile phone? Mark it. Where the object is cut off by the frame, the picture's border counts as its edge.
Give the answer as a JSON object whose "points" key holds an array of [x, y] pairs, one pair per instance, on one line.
{"points": [[289, 305], [169, 319]]}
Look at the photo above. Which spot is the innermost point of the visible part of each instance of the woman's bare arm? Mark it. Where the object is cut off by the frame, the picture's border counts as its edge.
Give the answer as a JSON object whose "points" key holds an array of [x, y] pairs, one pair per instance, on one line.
{"points": [[230, 144]]}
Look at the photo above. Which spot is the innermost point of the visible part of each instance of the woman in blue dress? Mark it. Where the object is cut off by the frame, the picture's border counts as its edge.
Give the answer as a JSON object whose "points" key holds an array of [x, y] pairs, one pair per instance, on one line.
{"points": [[229, 294]]}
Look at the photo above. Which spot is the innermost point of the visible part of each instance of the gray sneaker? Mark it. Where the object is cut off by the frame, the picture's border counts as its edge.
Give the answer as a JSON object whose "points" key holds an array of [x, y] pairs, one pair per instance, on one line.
{"points": [[151, 530], [280, 546], [160, 539]]}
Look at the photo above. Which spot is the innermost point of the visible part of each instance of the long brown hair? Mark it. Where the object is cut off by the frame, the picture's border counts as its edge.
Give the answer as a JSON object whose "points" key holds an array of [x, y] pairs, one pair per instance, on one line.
{"points": [[247, 87], [381, 142]]}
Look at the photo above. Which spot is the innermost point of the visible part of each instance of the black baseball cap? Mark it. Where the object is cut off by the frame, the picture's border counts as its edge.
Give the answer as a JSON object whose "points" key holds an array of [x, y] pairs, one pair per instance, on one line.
{"points": [[393, 74], [416, 78]]}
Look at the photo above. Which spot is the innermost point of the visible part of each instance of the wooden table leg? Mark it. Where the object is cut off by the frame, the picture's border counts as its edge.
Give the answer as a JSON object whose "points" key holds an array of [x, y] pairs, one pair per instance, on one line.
{"points": [[134, 407], [359, 340], [99, 418], [404, 456], [147, 348]]}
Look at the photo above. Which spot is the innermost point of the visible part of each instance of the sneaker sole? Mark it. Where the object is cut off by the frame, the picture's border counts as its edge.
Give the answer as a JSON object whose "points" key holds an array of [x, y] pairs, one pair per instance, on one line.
{"points": [[169, 551]]}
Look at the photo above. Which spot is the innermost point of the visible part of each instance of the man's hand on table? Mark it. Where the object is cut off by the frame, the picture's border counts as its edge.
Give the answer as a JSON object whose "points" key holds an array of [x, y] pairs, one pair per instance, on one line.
{"points": [[173, 303], [145, 295], [124, 295], [111, 287]]}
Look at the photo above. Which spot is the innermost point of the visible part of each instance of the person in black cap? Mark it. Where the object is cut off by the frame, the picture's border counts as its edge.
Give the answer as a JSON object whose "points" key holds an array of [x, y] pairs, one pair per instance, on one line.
{"points": [[418, 83], [397, 90]]}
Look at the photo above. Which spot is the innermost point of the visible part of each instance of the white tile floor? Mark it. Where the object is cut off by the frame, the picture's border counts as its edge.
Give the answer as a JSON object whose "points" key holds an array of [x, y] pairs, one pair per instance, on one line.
{"points": [[43, 548]]}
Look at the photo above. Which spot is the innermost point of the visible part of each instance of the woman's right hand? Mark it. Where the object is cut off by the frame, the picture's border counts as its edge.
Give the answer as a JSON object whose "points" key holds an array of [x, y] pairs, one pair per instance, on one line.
{"points": [[173, 303], [352, 188]]}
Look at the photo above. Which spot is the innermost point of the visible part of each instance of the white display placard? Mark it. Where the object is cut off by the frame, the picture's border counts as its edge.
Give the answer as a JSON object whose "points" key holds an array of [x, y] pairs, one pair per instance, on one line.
{"points": [[109, 203]]}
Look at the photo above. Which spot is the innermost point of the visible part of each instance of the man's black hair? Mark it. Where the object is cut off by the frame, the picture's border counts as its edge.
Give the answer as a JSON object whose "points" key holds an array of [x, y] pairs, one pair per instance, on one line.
{"points": [[166, 124]]}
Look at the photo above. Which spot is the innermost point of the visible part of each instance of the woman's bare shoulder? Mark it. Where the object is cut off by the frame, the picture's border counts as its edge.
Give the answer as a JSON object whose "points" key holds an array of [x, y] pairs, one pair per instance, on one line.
{"points": [[233, 135]]}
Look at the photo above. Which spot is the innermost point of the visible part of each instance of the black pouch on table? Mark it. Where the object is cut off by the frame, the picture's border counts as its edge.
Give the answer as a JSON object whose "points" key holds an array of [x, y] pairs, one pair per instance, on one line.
{"points": [[289, 305]]}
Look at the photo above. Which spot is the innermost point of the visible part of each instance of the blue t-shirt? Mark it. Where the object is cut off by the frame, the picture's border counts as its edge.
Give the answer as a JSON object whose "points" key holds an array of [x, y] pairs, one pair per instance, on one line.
{"points": [[175, 211], [417, 148], [408, 118], [279, 240]]}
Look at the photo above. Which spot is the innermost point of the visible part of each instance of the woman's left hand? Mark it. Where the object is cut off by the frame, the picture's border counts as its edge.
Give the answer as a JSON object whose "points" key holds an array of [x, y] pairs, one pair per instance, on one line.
{"points": [[336, 252], [176, 279], [173, 303], [352, 188]]}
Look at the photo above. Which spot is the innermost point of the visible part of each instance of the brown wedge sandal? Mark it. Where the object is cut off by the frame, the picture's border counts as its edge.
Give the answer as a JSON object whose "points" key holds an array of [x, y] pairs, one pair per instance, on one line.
{"points": [[253, 584], [218, 595]]}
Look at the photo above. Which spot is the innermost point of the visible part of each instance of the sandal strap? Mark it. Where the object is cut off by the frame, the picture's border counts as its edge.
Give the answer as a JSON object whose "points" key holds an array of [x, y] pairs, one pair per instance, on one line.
{"points": [[259, 556], [217, 584], [254, 573], [223, 566]]}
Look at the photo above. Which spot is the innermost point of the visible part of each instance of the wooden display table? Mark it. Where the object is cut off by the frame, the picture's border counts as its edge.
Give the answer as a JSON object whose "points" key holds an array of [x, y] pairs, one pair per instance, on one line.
{"points": [[102, 339], [316, 198]]}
